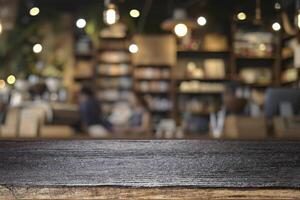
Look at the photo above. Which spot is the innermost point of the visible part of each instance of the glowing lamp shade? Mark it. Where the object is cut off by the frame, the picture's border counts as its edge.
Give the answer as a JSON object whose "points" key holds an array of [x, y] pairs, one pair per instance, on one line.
{"points": [[298, 20], [1, 28], [201, 21], [241, 16], [134, 13], [133, 48], [34, 11], [276, 26], [80, 23], [11, 79], [181, 30], [111, 15], [37, 48]]}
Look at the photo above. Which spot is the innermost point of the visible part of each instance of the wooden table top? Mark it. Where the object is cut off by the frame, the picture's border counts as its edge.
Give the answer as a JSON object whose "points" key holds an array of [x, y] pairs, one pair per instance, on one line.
{"points": [[156, 163], [153, 169]]}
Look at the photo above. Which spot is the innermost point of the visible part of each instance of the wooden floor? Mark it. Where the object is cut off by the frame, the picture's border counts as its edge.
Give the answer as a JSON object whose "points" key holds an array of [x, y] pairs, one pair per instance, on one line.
{"points": [[14, 193]]}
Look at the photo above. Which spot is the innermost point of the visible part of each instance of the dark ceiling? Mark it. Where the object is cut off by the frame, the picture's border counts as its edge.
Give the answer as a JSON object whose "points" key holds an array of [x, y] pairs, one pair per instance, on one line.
{"points": [[217, 11]]}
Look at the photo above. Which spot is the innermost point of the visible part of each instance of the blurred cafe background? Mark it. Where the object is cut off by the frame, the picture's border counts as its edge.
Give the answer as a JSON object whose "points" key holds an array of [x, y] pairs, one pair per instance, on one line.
{"points": [[149, 69]]}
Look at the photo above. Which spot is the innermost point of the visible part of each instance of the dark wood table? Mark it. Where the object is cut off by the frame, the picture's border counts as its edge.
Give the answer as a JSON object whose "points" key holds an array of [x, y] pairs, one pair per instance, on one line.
{"points": [[162, 169]]}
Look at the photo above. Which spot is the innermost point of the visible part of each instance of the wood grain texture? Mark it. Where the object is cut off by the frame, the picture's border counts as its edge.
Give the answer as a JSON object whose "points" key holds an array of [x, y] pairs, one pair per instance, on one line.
{"points": [[179, 163], [82, 193]]}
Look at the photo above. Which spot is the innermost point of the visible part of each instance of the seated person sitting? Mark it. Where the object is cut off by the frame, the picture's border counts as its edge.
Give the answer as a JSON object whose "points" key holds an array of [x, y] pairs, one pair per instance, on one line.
{"points": [[92, 120], [132, 120]]}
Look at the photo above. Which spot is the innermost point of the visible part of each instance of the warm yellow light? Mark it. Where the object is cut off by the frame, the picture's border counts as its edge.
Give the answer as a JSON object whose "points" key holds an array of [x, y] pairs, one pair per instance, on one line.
{"points": [[298, 20], [276, 26], [80, 23], [262, 47], [242, 16], [181, 30], [34, 11], [11, 79], [111, 15], [201, 21], [37, 48], [1, 28], [2, 84], [134, 13], [133, 48]]}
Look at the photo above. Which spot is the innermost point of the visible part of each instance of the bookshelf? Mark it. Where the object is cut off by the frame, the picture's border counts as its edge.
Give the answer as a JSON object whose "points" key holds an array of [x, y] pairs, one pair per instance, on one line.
{"points": [[154, 74], [200, 82], [289, 73], [113, 72], [84, 62]]}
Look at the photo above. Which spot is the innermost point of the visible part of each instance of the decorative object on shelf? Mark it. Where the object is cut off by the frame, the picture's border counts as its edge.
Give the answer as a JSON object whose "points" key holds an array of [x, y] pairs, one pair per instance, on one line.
{"points": [[84, 69], [214, 68], [153, 86], [155, 50], [259, 76], [114, 57], [158, 104], [152, 73], [290, 75], [194, 71], [215, 42], [114, 69], [253, 44], [201, 87], [83, 46]]}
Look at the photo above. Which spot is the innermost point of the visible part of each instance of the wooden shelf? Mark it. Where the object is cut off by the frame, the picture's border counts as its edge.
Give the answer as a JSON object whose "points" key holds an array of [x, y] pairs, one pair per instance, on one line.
{"points": [[271, 58], [115, 75], [203, 53], [154, 92], [201, 93], [83, 78], [257, 85], [153, 66], [114, 63], [100, 50], [153, 79], [202, 80]]}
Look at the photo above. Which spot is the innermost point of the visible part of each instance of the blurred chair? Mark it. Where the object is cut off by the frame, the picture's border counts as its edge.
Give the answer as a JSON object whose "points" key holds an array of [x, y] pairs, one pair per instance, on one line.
{"points": [[11, 124], [31, 120], [282, 106]]}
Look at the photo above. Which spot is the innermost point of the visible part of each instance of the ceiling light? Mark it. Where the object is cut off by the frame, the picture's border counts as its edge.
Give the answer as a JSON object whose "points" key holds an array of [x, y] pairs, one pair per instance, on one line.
{"points": [[133, 48], [241, 16], [80, 23], [201, 21], [111, 15], [11, 79], [34, 11], [276, 26], [37, 48], [277, 6], [134, 13], [181, 30]]}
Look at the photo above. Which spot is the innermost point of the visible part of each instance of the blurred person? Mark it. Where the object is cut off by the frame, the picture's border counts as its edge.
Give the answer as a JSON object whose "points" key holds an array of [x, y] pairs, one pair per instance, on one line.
{"points": [[139, 121], [92, 119]]}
